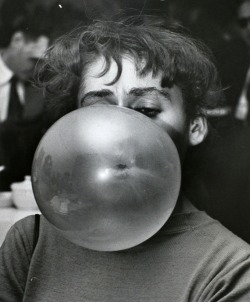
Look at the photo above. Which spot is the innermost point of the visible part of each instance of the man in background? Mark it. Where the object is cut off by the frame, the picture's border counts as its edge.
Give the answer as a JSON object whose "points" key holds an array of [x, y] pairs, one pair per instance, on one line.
{"points": [[23, 40]]}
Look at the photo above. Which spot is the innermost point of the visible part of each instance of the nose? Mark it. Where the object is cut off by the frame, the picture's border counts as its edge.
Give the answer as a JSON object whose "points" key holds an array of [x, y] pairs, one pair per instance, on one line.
{"points": [[122, 102], [121, 97]]}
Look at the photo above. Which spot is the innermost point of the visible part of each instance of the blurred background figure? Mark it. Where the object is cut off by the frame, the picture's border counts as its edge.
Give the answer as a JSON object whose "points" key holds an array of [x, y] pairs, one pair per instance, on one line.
{"points": [[23, 40], [219, 182], [241, 93], [27, 28]]}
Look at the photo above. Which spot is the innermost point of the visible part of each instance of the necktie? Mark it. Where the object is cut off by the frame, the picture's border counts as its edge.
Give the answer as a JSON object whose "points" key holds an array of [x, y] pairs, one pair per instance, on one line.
{"points": [[15, 109]]}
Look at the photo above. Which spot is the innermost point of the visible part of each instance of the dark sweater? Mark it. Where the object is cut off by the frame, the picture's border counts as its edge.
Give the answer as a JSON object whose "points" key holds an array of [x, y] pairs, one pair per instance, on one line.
{"points": [[193, 258]]}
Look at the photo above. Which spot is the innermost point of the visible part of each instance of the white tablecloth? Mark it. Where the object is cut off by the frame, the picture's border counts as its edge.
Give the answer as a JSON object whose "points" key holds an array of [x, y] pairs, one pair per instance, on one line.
{"points": [[8, 216]]}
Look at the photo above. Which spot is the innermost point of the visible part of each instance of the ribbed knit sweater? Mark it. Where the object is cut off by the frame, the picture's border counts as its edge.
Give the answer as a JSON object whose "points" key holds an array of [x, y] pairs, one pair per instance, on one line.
{"points": [[192, 258]]}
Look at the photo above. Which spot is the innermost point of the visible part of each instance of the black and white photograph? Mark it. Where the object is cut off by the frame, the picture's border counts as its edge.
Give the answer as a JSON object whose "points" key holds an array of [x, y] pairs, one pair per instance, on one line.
{"points": [[124, 150]]}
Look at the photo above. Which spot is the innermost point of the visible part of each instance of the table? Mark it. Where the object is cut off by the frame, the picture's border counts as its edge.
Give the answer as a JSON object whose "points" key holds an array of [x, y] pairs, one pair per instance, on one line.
{"points": [[9, 215]]}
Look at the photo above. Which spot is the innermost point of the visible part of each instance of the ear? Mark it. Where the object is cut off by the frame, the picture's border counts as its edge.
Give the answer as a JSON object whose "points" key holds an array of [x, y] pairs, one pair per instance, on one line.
{"points": [[17, 39], [198, 130]]}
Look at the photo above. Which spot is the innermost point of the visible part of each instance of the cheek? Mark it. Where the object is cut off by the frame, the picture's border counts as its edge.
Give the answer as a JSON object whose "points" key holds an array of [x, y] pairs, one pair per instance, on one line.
{"points": [[27, 65], [173, 120], [177, 128], [23, 60]]}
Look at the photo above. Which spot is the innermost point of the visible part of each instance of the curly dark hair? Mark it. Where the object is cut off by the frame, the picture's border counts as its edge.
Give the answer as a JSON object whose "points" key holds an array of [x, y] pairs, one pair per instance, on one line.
{"points": [[182, 61]]}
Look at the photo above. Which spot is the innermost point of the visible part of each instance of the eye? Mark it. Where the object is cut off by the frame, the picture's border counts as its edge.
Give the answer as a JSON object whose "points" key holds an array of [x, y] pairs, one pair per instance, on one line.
{"points": [[149, 105], [89, 102], [96, 100], [149, 112]]}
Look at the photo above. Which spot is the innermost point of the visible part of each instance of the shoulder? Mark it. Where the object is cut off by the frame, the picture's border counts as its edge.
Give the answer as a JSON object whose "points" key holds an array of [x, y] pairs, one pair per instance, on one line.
{"points": [[220, 247], [212, 230], [21, 235], [200, 232], [218, 260], [226, 260], [15, 256], [24, 225]]}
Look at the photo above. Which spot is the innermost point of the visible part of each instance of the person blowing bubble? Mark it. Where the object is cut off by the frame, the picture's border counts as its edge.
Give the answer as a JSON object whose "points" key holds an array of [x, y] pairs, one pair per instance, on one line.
{"points": [[169, 80]]}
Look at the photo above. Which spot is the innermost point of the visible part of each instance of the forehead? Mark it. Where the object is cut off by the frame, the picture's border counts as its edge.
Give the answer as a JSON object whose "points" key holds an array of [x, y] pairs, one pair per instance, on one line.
{"points": [[34, 48], [40, 43], [244, 10], [130, 75]]}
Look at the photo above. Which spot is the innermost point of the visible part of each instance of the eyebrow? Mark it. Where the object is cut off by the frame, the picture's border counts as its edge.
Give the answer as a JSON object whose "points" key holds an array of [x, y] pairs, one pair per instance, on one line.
{"points": [[97, 93], [146, 90], [134, 92]]}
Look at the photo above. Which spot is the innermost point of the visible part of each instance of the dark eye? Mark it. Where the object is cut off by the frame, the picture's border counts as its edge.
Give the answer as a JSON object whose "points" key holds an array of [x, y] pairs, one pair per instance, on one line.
{"points": [[95, 101], [149, 112]]}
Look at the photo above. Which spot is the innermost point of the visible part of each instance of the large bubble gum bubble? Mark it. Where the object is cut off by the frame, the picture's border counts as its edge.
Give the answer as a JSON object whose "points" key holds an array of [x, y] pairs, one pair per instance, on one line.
{"points": [[107, 178]]}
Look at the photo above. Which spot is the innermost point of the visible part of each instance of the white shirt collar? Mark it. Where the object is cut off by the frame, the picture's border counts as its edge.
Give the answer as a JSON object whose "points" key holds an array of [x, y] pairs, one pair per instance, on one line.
{"points": [[5, 73]]}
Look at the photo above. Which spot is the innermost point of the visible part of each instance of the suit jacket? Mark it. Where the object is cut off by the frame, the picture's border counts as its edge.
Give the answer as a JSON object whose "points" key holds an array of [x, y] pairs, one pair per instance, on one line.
{"points": [[18, 140]]}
